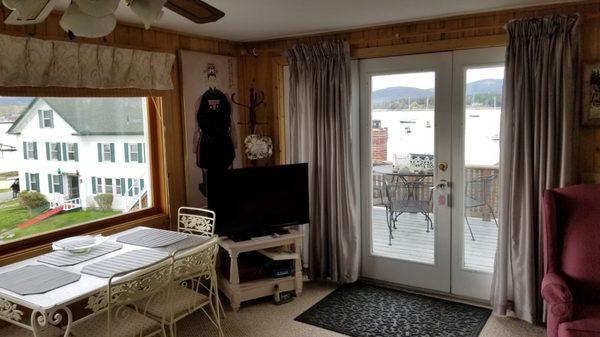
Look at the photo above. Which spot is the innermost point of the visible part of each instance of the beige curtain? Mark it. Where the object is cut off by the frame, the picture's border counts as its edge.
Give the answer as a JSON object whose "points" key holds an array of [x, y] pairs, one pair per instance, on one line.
{"points": [[25, 61], [320, 134], [536, 140]]}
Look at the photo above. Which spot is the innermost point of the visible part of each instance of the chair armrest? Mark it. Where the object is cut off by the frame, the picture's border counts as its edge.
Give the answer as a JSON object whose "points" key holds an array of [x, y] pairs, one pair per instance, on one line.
{"points": [[556, 293]]}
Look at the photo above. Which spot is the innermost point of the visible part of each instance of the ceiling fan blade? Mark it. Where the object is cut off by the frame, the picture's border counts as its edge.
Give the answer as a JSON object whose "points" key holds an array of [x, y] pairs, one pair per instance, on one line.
{"points": [[195, 10]]}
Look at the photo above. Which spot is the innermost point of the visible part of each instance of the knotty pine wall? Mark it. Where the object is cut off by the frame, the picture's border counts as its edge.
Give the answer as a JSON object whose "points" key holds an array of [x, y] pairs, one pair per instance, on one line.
{"points": [[129, 36], [459, 32]]}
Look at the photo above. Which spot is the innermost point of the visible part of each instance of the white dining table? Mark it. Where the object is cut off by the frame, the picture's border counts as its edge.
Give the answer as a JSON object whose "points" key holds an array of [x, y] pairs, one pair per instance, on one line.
{"points": [[56, 307]]}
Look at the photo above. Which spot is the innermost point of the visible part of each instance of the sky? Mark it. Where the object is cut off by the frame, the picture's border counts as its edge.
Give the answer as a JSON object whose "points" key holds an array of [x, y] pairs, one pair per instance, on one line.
{"points": [[426, 80]]}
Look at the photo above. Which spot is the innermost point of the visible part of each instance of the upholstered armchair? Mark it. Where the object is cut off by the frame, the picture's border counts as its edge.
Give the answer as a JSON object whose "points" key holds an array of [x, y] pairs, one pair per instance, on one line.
{"points": [[571, 284]]}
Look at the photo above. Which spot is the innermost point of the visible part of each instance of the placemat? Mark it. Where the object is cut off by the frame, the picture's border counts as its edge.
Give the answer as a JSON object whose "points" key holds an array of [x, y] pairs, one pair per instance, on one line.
{"points": [[152, 238], [36, 279], [121, 263], [189, 242], [64, 258]]}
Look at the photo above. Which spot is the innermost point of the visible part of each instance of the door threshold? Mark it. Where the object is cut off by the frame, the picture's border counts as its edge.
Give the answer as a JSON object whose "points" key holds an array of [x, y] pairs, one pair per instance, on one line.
{"points": [[428, 292]]}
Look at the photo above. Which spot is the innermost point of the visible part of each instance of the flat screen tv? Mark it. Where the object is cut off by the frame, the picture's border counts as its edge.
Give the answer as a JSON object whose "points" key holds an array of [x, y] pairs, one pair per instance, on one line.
{"points": [[258, 201]]}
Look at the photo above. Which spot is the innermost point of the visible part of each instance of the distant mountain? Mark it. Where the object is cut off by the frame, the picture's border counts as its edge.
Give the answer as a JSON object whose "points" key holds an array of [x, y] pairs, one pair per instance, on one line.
{"points": [[12, 107], [24, 101], [486, 86]]}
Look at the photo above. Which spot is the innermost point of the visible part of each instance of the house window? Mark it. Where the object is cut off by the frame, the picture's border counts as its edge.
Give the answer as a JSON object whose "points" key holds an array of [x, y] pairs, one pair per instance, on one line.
{"points": [[136, 187], [81, 161], [133, 153], [54, 151], [30, 150], [108, 183]]}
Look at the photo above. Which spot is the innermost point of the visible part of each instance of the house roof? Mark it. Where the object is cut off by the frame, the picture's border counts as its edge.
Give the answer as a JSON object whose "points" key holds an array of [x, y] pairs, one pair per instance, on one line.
{"points": [[94, 116]]}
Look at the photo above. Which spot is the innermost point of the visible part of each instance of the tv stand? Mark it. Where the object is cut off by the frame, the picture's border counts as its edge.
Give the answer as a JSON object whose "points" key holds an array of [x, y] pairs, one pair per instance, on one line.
{"points": [[238, 292]]}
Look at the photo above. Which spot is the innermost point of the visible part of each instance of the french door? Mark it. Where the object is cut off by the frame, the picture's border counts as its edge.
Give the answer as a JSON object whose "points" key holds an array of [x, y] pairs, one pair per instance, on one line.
{"points": [[429, 166]]}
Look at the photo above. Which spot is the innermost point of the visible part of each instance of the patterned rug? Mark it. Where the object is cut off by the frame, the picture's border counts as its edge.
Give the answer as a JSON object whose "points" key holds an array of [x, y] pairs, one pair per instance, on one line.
{"points": [[362, 310]]}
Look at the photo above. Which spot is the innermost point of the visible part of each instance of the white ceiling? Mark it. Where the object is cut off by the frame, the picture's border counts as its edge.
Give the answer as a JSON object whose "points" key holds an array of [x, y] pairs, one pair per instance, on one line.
{"points": [[254, 20]]}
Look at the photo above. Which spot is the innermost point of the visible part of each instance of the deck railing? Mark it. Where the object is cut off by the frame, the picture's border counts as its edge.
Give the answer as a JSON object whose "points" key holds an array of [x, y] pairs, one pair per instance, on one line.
{"points": [[489, 193]]}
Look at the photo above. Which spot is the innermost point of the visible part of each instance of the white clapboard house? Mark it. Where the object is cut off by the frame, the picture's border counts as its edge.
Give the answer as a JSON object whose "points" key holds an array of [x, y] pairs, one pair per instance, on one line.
{"points": [[74, 149]]}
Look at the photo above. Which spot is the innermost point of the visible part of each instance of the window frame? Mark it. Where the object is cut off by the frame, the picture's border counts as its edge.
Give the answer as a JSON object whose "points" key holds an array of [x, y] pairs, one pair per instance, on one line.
{"points": [[56, 180], [131, 152], [51, 147], [155, 216], [99, 185], [104, 153], [30, 150], [70, 151], [50, 119], [31, 181], [106, 185]]}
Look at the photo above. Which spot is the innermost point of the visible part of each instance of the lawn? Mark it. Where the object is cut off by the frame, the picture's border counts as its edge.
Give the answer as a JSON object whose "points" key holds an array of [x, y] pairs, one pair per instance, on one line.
{"points": [[12, 214]]}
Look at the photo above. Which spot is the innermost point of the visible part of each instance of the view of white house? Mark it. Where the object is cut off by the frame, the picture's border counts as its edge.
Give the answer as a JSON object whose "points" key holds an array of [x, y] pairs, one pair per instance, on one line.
{"points": [[72, 149]]}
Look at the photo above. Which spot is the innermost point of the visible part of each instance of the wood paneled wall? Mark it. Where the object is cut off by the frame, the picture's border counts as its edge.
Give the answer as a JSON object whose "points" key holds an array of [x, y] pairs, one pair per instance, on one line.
{"points": [[460, 32], [129, 36]]}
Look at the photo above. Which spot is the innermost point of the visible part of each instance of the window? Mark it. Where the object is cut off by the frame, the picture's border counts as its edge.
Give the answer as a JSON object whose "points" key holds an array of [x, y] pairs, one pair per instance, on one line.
{"points": [[133, 153], [72, 154], [106, 152], [30, 150], [108, 183], [54, 151], [46, 119], [79, 164]]}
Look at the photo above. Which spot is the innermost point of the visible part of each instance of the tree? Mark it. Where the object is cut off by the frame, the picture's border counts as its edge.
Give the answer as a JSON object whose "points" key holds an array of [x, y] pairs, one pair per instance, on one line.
{"points": [[32, 200], [104, 201]]}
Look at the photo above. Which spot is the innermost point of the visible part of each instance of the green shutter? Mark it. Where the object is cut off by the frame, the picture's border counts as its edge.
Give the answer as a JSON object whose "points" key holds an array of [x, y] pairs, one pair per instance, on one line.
{"points": [[58, 152], [47, 151], [93, 185], [129, 185], [35, 156], [141, 185], [122, 182], [51, 119], [99, 152], [112, 152], [60, 185], [126, 153], [27, 183], [144, 151], [41, 118], [76, 150], [64, 149], [24, 150], [140, 157], [50, 185]]}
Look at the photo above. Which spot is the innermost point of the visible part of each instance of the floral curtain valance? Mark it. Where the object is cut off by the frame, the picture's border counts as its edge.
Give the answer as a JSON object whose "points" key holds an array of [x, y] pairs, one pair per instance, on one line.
{"points": [[33, 62]]}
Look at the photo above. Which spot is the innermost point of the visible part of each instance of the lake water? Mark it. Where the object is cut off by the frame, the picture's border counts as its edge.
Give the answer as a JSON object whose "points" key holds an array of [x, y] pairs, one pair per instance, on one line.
{"points": [[408, 132]]}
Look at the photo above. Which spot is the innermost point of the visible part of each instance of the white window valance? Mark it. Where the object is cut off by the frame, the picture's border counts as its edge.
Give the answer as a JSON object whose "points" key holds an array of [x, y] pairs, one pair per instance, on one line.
{"points": [[26, 61]]}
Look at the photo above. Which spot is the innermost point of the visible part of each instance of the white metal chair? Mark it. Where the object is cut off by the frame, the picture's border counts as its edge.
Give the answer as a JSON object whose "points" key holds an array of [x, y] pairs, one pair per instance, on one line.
{"points": [[196, 221], [13, 330], [120, 314], [194, 287]]}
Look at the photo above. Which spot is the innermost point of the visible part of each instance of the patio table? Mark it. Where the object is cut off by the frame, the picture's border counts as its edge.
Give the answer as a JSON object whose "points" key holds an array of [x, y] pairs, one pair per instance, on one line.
{"points": [[409, 179], [63, 306]]}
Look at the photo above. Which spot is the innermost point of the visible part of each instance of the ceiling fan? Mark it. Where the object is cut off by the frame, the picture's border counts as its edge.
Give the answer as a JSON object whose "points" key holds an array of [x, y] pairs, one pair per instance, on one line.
{"points": [[95, 18]]}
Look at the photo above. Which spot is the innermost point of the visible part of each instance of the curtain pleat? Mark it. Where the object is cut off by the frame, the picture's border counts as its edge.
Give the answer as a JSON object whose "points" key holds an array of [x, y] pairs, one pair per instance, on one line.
{"points": [[320, 93], [539, 106]]}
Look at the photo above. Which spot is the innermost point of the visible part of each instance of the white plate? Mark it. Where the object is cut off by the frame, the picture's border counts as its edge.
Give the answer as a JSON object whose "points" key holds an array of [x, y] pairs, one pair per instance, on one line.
{"points": [[79, 244]]}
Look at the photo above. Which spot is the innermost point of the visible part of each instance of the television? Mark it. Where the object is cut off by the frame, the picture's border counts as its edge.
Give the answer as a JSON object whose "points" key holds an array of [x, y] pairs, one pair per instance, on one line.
{"points": [[258, 201]]}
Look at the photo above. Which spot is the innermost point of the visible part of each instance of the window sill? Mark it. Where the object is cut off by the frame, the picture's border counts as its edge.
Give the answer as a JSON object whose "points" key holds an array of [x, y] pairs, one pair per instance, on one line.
{"points": [[30, 247]]}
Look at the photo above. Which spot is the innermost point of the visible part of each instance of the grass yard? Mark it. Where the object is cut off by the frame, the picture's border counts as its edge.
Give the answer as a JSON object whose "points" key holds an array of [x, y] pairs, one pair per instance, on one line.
{"points": [[12, 214]]}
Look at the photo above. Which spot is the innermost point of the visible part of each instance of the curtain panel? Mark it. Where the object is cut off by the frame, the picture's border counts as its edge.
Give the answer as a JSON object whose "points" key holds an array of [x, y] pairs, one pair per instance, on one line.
{"points": [[26, 61], [539, 107], [320, 134]]}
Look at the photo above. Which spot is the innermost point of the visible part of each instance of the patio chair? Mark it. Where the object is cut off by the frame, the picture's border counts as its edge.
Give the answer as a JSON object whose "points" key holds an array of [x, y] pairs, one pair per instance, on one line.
{"points": [[407, 197], [197, 221], [193, 288], [478, 193], [378, 189], [118, 309]]}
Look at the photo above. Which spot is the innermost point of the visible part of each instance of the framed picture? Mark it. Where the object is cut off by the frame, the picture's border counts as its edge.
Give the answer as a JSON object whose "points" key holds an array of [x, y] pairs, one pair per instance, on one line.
{"points": [[591, 94]]}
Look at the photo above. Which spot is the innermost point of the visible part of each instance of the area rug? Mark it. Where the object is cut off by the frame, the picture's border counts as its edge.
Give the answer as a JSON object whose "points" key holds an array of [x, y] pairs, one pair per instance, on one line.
{"points": [[362, 310]]}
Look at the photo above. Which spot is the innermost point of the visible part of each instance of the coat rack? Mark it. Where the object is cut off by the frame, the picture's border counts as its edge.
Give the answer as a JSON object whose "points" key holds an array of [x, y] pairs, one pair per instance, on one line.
{"points": [[256, 100]]}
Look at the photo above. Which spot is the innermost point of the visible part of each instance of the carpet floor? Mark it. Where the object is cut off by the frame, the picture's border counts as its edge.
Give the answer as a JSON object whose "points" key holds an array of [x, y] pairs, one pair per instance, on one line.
{"points": [[261, 318]]}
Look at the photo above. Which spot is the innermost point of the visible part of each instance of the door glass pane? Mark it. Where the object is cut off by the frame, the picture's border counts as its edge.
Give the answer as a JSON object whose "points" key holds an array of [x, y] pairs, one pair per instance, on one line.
{"points": [[483, 106], [403, 224]]}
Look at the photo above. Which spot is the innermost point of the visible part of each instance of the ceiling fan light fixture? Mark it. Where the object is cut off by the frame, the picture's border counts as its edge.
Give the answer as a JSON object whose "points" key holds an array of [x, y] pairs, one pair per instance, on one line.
{"points": [[98, 8], [84, 25], [149, 11]]}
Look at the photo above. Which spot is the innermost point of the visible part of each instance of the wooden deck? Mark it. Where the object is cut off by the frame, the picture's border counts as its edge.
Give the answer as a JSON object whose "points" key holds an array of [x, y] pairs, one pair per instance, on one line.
{"points": [[413, 243]]}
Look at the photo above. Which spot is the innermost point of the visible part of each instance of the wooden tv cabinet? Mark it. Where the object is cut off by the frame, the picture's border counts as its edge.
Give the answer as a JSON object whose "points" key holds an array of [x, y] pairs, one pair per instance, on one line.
{"points": [[238, 292]]}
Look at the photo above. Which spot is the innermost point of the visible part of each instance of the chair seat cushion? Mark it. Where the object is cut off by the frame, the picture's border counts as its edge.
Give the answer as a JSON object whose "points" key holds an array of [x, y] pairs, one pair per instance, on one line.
{"points": [[16, 331], [585, 323], [127, 323], [185, 301]]}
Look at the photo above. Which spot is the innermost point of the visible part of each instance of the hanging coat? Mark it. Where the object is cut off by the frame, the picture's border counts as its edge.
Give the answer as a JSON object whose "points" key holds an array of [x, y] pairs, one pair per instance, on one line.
{"points": [[215, 150]]}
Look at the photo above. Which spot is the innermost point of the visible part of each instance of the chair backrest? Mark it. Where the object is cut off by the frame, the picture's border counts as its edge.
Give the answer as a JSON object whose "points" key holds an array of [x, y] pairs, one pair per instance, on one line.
{"points": [[571, 237], [138, 290], [197, 262], [481, 188], [196, 221], [397, 189]]}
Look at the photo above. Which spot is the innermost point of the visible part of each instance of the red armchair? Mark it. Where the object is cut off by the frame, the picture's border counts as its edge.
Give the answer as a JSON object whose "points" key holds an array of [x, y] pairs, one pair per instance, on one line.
{"points": [[571, 284]]}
